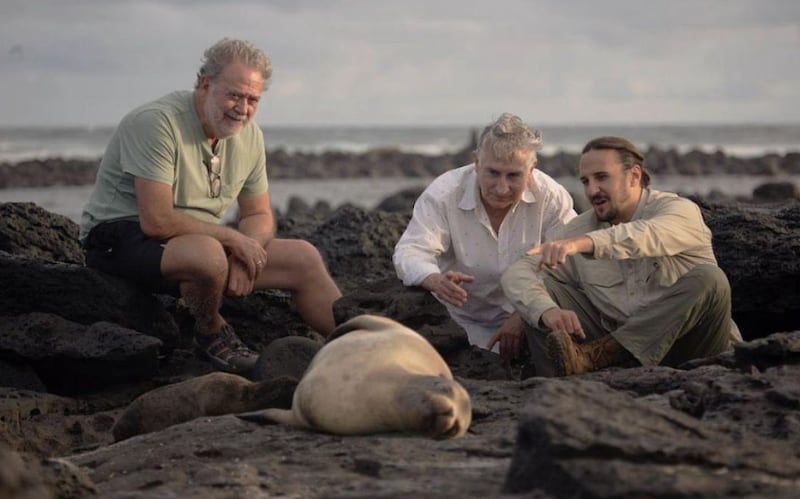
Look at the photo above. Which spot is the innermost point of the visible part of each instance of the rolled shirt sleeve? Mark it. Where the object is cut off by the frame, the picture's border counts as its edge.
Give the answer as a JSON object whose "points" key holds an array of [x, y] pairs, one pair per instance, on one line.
{"points": [[426, 237]]}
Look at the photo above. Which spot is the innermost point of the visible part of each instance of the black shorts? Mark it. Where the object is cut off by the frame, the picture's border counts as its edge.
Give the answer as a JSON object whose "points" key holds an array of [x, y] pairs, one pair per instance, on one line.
{"points": [[123, 250]]}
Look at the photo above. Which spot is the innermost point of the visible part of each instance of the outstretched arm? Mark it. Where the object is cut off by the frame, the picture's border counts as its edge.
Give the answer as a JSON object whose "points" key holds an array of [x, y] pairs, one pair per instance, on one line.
{"points": [[555, 253], [676, 226]]}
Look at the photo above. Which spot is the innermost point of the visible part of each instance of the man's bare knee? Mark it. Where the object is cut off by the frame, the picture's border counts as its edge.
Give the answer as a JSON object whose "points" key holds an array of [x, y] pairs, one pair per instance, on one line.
{"points": [[195, 256], [310, 259]]}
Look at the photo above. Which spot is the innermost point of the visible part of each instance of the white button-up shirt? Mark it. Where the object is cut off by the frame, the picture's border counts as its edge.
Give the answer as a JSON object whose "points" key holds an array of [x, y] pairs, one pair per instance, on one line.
{"points": [[450, 230]]}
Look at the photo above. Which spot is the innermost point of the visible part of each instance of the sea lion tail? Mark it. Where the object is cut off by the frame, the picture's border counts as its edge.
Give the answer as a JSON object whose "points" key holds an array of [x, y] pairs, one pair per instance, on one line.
{"points": [[270, 416]]}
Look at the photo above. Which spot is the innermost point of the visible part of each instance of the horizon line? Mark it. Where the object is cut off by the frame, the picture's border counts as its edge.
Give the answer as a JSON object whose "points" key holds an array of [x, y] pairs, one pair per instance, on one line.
{"points": [[450, 125]]}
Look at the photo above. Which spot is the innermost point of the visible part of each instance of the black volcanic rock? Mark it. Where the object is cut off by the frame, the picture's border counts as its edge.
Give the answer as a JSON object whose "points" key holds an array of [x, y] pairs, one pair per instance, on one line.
{"points": [[583, 439], [722, 426], [72, 358], [358, 244], [402, 202], [776, 192], [759, 250], [27, 229], [82, 295]]}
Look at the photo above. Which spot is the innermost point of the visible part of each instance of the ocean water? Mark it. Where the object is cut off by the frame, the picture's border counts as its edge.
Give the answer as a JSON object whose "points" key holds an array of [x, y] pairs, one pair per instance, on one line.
{"points": [[744, 140], [18, 144], [369, 192]]}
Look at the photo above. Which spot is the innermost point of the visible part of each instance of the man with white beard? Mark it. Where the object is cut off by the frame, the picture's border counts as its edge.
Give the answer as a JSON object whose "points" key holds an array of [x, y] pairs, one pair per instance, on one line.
{"points": [[169, 174]]}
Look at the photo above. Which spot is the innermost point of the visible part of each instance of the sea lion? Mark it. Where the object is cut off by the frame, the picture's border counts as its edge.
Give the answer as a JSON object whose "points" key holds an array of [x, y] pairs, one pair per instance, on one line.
{"points": [[209, 395], [379, 377]]}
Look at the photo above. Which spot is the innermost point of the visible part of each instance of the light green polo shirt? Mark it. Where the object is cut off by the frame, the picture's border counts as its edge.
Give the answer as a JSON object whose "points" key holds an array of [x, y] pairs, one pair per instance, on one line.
{"points": [[164, 141]]}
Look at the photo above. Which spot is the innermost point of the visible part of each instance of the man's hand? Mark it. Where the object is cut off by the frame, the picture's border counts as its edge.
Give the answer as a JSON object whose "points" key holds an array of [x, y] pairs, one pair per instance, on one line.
{"points": [[555, 253], [510, 336], [558, 319], [447, 286], [250, 253], [239, 281]]}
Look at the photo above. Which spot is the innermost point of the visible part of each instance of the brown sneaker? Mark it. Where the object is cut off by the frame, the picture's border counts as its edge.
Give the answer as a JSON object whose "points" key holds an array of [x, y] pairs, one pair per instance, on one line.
{"points": [[571, 358], [226, 351]]}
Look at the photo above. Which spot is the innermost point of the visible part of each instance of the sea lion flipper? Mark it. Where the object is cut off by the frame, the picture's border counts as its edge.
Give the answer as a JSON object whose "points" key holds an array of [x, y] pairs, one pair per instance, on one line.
{"points": [[269, 416]]}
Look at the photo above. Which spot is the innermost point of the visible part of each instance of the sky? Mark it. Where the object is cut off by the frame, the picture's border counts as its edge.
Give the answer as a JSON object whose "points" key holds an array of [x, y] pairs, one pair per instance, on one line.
{"points": [[413, 62]]}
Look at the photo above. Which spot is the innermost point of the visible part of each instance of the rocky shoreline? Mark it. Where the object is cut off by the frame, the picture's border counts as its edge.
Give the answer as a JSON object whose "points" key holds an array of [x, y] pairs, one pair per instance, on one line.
{"points": [[393, 163], [77, 346]]}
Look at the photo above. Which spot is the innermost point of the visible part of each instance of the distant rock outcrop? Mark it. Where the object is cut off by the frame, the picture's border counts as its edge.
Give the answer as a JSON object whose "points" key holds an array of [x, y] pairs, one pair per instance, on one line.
{"points": [[390, 162]]}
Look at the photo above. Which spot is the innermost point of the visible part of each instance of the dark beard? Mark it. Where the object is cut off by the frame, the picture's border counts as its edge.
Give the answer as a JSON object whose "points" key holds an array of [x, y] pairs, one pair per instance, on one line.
{"points": [[611, 215]]}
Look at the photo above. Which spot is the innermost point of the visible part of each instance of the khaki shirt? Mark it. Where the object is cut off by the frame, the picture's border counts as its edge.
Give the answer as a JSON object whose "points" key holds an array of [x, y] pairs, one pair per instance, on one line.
{"points": [[632, 265]]}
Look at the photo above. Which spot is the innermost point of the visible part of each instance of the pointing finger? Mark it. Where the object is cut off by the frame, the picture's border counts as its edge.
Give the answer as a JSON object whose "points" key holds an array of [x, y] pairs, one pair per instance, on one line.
{"points": [[534, 251]]}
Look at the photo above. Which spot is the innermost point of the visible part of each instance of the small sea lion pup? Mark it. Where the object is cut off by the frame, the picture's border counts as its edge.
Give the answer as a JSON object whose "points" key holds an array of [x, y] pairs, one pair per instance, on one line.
{"points": [[213, 394], [379, 377]]}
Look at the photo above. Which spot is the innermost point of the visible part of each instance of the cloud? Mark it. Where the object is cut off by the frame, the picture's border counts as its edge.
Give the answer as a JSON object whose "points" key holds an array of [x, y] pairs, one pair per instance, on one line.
{"points": [[443, 62]]}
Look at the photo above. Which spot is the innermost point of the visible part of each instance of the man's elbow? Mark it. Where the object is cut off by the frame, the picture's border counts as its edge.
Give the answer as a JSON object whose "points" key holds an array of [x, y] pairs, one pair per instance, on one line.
{"points": [[398, 269], [155, 228]]}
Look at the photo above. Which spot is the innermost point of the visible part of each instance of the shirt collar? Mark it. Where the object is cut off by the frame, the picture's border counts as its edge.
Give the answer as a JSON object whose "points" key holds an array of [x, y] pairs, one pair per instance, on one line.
{"points": [[642, 203]]}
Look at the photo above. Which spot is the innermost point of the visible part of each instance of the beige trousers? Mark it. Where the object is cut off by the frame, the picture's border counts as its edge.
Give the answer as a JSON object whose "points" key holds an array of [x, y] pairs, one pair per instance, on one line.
{"points": [[691, 320]]}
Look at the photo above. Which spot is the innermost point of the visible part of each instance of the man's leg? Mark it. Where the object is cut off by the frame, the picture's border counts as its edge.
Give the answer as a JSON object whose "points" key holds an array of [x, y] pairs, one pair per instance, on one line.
{"points": [[193, 265], [296, 265], [199, 265], [568, 298], [691, 320]]}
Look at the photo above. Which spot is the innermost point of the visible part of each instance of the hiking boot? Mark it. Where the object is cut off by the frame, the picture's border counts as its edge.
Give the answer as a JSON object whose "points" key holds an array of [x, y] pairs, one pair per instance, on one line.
{"points": [[572, 358], [226, 351]]}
